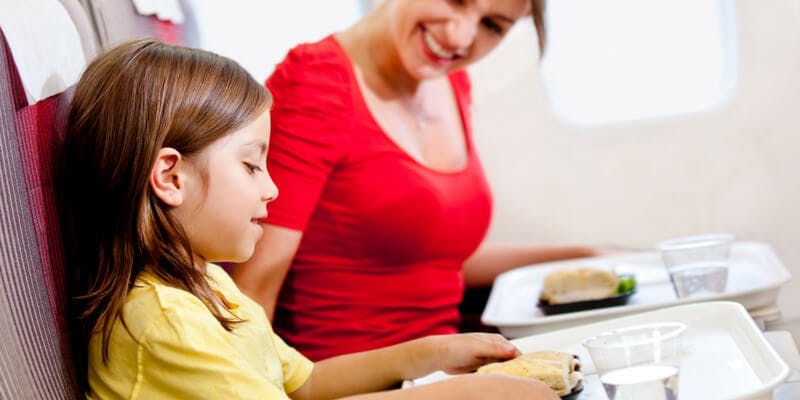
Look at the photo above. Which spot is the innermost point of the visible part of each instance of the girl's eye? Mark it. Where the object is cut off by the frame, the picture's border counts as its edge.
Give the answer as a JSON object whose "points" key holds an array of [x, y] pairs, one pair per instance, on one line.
{"points": [[492, 26], [458, 2], [252, 168]]}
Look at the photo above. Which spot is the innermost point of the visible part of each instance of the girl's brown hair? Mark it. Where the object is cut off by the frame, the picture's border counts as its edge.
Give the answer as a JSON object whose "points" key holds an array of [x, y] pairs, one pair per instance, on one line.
{"points": [[132, 101], [537, 12]]}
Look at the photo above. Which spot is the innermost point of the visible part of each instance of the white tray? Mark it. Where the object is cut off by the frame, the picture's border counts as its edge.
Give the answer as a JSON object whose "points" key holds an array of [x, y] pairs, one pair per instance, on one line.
{"points": [[754, 278], [725, 355]]}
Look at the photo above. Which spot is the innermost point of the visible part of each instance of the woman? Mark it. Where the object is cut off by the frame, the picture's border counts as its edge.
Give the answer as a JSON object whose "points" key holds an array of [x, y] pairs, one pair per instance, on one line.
{"points": [[384, 200]]}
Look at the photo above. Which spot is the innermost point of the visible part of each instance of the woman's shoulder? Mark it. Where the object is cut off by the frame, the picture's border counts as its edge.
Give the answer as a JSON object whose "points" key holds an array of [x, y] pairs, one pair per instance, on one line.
{"points": [[315, 63], [314, 90], [326, 49]]}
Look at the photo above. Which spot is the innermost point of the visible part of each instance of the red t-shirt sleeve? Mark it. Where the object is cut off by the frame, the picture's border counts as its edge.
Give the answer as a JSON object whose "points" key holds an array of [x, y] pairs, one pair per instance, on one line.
{"points": [[310, 128]]}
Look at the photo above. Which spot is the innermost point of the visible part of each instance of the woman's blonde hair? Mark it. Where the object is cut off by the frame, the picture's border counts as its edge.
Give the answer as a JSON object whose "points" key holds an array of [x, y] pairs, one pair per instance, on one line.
{"points": [[132, 101]]}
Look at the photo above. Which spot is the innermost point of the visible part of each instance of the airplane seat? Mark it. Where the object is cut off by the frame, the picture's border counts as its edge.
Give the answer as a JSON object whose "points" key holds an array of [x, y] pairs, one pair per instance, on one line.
{"points": [[35, 356], [118, 21], [83, 22]]}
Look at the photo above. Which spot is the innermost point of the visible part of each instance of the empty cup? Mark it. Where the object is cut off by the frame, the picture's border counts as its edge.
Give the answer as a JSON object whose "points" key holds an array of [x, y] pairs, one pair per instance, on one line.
{"points": [[697, 265], [638, 362]]}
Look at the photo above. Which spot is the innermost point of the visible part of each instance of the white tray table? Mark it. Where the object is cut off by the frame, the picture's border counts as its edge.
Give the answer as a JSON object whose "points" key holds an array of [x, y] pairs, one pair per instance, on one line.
{"points": [[754, 279], [724, 354]]}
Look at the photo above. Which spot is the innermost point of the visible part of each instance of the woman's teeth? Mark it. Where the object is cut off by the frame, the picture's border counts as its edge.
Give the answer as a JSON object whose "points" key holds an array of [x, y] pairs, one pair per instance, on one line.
{"points": [[434, 46]]}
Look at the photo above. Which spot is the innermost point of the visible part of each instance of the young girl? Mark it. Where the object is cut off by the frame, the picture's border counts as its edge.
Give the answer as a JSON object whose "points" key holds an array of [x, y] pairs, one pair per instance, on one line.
{"points": [[163, 172]]}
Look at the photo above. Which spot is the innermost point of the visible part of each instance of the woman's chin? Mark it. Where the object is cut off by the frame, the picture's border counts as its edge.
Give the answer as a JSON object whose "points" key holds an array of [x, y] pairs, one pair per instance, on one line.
{"points": [[427, 71]]}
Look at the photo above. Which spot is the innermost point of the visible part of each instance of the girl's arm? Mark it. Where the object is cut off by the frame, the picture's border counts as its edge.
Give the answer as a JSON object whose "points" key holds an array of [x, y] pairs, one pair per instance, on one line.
{"points": [[470, 387], [490, 260], [376, 370], [261, 277]]}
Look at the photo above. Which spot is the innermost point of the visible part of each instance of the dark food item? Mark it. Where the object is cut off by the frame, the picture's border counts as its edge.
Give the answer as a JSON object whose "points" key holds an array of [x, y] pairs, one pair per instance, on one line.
{"points": [[574, 393], [617, 300], [626, 289]]}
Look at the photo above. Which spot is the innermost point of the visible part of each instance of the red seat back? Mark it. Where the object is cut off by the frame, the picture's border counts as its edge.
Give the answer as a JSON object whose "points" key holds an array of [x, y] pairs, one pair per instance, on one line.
{"points": [[35, 357]]}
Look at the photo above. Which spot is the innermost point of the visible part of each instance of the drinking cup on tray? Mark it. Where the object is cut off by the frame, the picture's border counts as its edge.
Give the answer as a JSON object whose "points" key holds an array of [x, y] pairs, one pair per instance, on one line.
{"points": [[638, 362], [697, 265]]}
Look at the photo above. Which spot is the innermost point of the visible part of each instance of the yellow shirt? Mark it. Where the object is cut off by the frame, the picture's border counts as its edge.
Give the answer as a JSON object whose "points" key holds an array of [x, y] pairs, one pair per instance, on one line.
{"points": [[174, 348]]}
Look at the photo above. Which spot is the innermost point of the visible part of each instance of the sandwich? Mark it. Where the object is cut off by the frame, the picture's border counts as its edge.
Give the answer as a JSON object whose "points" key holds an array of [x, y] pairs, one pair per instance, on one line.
{"points": [[580, 284], [560, 371]]}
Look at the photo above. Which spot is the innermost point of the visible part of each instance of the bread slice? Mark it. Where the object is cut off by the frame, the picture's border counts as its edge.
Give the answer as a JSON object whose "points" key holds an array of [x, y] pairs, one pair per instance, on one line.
{"points": [[578, 285], [559, 371]]}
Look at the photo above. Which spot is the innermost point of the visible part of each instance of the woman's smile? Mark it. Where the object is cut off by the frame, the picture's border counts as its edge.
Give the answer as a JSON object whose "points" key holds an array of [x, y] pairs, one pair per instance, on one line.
{"points": [[435, 51]]}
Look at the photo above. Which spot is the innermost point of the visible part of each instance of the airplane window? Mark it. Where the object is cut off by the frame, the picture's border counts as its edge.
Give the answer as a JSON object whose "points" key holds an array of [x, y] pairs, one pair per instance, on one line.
{"points": [[259, 33], [621, 60]]}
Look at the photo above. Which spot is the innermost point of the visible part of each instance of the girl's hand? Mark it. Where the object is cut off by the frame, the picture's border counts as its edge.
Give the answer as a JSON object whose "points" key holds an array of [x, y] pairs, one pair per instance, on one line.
{"points": [[489, 386], [509, 387], [466, 352]]}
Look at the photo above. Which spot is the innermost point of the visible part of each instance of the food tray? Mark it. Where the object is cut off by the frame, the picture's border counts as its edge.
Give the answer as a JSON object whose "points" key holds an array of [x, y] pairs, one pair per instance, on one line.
{"points": [[754, 278], [724, 354]]}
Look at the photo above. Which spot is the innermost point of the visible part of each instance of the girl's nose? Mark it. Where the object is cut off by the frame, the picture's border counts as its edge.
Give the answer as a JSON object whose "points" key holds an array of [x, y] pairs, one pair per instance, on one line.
{"points": [[269, 190]]}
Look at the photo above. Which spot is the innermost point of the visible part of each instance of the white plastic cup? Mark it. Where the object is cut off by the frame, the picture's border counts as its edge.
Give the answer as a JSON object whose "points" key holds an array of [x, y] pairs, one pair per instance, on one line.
{"points": [[697, 265], [638, 362]]}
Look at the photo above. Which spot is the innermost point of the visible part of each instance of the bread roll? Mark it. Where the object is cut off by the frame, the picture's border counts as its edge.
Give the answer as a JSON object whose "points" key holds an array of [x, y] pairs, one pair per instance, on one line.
{"points": [[578, 285], [559, 371]]}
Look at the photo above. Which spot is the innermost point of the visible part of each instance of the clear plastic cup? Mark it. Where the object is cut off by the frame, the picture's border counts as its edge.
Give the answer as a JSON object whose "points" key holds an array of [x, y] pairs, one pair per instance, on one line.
{"points": [[697, 265], [638, 362]]}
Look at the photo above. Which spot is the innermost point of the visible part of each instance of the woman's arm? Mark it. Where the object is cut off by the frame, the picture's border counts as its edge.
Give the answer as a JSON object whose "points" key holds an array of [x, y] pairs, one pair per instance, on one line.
{"points": [[375, 370], [261, 277], [490, 260]]}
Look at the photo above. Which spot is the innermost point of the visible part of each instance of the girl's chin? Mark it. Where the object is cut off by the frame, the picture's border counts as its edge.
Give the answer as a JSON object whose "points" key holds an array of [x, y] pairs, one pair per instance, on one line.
{"points": [[245, 255], [240, 256]]}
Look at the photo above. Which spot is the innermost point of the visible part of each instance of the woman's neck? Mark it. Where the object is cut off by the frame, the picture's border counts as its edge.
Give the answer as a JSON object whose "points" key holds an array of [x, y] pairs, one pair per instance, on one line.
{"points": [[372, 50]]}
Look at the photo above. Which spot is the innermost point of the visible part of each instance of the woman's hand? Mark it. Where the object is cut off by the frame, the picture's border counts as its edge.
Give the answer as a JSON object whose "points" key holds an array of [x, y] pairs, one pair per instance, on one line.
{"points": [[466, 352]]}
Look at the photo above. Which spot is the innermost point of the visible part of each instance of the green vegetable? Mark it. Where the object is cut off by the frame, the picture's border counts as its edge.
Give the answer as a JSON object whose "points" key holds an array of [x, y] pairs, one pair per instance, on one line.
{"points": [[627, 284]]}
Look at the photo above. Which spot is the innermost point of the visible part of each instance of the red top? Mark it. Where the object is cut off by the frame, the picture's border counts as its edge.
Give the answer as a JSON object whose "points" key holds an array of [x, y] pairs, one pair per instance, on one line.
{"points": [[385, 237]]}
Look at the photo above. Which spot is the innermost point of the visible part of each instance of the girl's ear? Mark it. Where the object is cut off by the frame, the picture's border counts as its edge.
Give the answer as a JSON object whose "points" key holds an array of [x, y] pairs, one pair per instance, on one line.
{"points": [[166, 179]]}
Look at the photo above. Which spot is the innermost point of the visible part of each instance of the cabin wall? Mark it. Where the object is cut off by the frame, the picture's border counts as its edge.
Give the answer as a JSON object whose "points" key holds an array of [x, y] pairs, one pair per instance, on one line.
{"points": [[733, 169]]}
